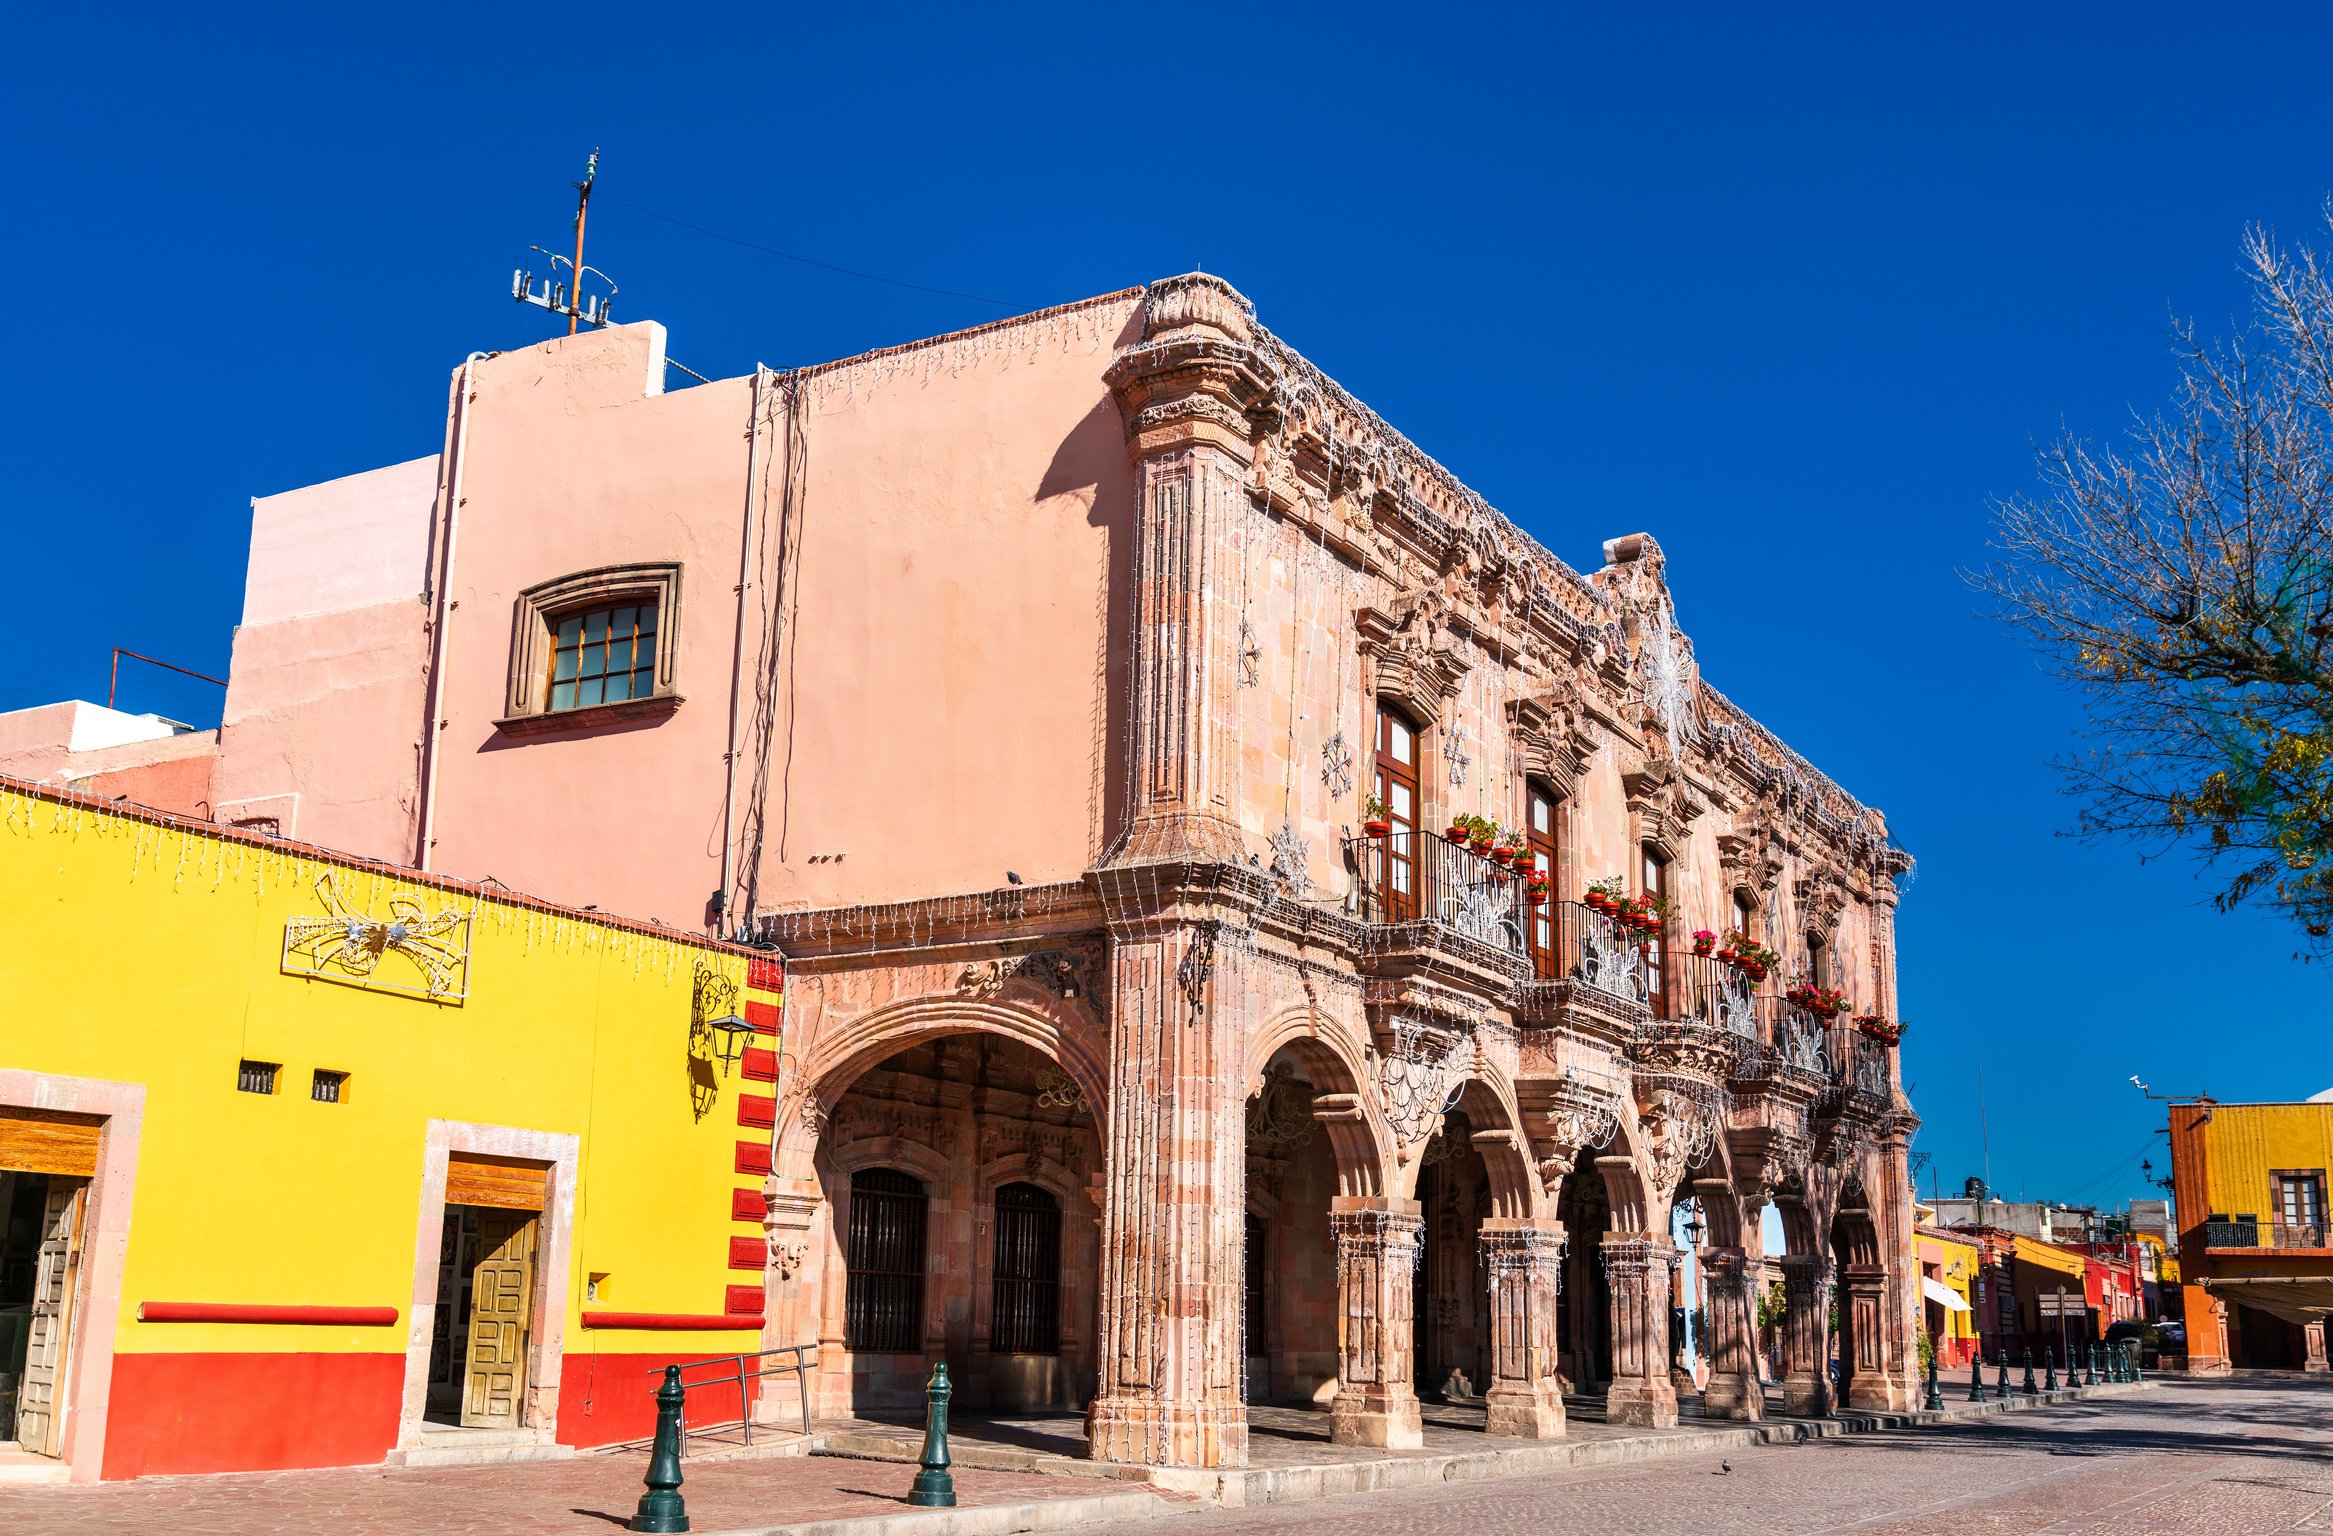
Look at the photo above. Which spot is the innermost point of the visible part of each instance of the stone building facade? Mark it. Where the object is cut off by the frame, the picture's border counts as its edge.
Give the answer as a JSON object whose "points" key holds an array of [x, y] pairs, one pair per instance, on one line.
{"points": [[1028, 689]]}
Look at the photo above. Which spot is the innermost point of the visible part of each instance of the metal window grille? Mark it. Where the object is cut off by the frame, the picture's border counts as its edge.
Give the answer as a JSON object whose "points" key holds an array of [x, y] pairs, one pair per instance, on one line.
{"points": [[326, 1088], [1025, 1300], [1256, 1313], [883, 1299], [257, 1076]]}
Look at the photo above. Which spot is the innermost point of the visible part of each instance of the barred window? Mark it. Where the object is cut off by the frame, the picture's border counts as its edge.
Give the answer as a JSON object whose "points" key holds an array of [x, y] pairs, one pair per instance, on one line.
{"points": [[1025, 1296], [328, 1087], [256, 1076], [603, 657], [883, 1297]]}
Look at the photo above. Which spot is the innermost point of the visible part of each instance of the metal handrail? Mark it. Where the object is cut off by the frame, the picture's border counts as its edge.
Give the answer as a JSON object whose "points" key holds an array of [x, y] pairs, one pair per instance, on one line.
{"points": [[737, 1375], [1412, 877]]}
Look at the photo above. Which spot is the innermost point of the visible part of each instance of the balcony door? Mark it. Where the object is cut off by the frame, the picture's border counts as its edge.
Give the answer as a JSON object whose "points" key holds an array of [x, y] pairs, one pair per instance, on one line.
{"points": [[1543, 828], [1656, 957], [1396, 783], [2300, 1209]]}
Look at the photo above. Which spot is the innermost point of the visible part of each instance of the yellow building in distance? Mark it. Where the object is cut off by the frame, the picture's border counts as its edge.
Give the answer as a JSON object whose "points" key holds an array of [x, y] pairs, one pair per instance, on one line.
{"points": [[306, 1161], [2255, 1258]]}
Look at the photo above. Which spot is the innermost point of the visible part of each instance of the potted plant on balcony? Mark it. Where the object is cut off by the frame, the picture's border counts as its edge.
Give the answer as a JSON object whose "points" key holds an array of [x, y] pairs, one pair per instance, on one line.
{"points": [[1482, 832], [1604, 895], [1377, 818], [1879, 1027], [1703, 941], [1535, 886], [1459, 831]]}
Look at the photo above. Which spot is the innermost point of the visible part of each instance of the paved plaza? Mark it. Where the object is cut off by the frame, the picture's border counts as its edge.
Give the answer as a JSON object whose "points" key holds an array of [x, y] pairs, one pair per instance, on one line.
{"points": [[2239, 1457], [2232, 1457]]}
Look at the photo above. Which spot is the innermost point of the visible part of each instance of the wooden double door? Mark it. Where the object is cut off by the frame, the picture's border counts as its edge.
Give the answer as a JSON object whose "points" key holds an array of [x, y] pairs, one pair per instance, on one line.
{"points": [[486, 1293]]}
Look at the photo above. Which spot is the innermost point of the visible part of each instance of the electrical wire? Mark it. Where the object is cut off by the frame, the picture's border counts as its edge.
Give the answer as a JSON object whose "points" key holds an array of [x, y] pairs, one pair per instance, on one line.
{"points": [[812, 261]]}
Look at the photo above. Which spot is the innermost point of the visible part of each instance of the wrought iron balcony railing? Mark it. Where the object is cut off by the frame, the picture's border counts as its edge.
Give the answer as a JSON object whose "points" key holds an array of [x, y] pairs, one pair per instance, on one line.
{"points": [[1714, 992], [1419, 877], [2254, 1233]]}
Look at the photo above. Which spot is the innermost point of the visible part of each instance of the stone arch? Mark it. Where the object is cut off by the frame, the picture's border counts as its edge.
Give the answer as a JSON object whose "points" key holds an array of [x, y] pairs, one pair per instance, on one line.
{"points": [[1489, 1107], [1359, 1138], [1061, 1031], [1621, 1167]]}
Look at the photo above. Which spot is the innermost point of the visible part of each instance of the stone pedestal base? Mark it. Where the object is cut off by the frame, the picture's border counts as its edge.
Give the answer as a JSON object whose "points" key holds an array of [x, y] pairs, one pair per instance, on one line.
{"points": [[1155, 1434], [1532, 1412], [1881, 1393], [1641, 1404], [1382, 1420], [1804, 1394], [1733, 1396]]}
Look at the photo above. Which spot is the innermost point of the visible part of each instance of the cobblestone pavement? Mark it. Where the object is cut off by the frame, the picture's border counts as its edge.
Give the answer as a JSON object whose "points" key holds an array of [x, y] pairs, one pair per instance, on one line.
{"points": [[581, 1496], [2233, 1457]]}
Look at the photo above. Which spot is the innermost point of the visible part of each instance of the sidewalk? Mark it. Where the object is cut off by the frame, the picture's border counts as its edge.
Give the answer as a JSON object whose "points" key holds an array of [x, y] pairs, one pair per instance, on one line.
{"points": [[1011, 1475]]}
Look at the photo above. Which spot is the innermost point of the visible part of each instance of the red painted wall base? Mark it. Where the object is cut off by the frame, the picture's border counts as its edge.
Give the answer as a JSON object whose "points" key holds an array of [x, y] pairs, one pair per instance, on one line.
{"points": [[250, 1412], [607, 1399]]}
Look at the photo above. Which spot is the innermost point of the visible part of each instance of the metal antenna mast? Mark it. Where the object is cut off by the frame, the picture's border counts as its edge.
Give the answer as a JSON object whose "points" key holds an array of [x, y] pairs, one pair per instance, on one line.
{"points": [[551, 293], [582, 207]]}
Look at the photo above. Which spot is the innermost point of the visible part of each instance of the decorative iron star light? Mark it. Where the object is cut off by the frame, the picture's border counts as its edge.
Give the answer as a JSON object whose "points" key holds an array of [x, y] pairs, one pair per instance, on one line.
{"points": [[1337, 764], [348, 946], [1668, 679], [1251, 656], [1291, 859], [1456, 761]]}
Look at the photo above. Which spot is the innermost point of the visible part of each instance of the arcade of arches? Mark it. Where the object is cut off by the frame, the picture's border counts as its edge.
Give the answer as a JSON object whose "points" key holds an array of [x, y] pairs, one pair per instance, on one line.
{"points": [[1475, 1245]]}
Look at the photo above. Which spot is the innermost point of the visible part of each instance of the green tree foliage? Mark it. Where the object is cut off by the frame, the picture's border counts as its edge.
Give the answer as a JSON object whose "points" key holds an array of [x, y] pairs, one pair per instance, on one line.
{"points": [[2184, 584]]}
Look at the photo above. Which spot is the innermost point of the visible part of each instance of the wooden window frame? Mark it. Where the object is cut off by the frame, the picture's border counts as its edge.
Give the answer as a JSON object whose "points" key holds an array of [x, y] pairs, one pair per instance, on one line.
{"points": [[534, 623], [1403, 850], [1546, 959], [1648, 859]]}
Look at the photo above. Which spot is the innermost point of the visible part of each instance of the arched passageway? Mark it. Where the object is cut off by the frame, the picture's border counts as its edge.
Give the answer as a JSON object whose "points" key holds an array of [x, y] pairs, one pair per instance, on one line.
{"points": [[959, 1177]]}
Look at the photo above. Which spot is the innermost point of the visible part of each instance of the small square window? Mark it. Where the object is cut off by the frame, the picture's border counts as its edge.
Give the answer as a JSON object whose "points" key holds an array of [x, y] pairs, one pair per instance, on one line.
{"points": [[257, 1076], [329, 1087]]}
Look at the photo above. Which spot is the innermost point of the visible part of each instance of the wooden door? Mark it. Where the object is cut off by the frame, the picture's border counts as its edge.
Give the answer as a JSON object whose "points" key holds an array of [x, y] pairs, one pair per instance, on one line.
{"points": [[40, 1412], [501, 1297], [1543, 829], [1396, 784]]}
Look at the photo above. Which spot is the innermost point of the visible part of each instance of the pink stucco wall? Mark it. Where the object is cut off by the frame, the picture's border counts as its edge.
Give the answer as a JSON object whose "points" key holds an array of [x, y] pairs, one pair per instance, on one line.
{"points": [[324, 697], [938, 711]]}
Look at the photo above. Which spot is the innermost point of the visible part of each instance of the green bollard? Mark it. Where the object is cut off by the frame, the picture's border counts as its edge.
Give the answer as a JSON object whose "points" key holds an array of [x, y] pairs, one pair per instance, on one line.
{"points": [[2001, 1383], [2138, 1368], [2028, 1388], [2122, 1362], [661, 1507], [2091, 1380], [2049, 1378], [1935, 1402], [934, 1488], [1976, 1377]]}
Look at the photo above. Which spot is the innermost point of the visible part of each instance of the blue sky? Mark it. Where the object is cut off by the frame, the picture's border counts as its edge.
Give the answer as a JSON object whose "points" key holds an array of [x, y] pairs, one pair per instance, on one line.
{"points": [[1796, 293]]}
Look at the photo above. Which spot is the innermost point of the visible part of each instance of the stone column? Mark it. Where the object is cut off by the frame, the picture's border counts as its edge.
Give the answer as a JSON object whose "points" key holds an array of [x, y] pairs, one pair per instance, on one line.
{"points": [[1186, 391], [1636, 1270], [1526, 1293], [1174, 1191], [1733, 1391], [1377, 1256], [791, 1212], [1806, 1336]]}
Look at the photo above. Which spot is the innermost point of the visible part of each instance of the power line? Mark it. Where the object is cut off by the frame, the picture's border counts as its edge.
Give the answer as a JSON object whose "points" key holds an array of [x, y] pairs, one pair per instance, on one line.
{"points": [[811, 261]]}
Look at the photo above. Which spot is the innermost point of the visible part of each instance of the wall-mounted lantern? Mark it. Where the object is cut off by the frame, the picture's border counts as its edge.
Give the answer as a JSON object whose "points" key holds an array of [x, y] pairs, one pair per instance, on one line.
{"points": [[728, 1035]]}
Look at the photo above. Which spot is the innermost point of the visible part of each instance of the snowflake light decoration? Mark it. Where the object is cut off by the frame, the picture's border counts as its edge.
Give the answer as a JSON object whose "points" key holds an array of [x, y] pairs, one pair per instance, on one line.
{"points": [[1336, 770], [1456, 761], [1667, 678]]}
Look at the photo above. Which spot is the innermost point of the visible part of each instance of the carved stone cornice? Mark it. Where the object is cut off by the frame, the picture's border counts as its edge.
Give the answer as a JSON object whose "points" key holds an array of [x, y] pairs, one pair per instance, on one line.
{"points": [[1554, 734], [1410, 663], [1196, 376]]}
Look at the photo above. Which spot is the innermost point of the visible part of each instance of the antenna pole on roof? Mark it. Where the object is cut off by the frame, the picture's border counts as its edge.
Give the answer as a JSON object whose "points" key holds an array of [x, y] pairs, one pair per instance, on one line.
{"points": [[582, 206]]}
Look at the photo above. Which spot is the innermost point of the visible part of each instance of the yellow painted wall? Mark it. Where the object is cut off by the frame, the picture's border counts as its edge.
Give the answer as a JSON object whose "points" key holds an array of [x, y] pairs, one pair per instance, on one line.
{"points": [[1957, 1265], [2244, 1142], [152, 954]]}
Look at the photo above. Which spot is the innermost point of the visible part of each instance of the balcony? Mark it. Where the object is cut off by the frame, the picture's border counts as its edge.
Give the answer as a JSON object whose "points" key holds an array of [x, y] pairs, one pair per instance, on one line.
{"points": [[1428, 901], [2250, 1234], [1590, 973]]}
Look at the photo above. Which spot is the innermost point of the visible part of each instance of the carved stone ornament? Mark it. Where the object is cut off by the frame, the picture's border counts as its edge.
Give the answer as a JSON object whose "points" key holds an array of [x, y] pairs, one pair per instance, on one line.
{"points": [[1066, 973], [1280, 1115], [1413, 666], [1553, 734], [1680, 1130], [786, 1259]]}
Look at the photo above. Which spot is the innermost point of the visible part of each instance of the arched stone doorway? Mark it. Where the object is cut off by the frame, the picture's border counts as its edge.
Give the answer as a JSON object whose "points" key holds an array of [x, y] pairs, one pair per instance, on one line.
{"points": [[1289, 1313], [959, 1176], [1587, 1300], [1859, 1297]]}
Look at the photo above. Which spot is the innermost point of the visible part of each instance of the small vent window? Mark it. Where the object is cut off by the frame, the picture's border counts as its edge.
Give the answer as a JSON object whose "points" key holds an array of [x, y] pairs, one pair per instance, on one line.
{"points": [[257, 1076], [329, 1087]]}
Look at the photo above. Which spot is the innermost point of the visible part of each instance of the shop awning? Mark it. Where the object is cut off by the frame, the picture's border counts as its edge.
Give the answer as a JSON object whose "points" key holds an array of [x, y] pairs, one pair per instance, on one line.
{"points": [[2300, 1299], [1943, 1295]]}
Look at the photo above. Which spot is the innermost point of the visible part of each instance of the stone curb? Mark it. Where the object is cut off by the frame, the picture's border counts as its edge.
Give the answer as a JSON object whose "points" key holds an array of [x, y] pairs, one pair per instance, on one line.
{"points": [[982, 1519], [1290, 1485]]}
